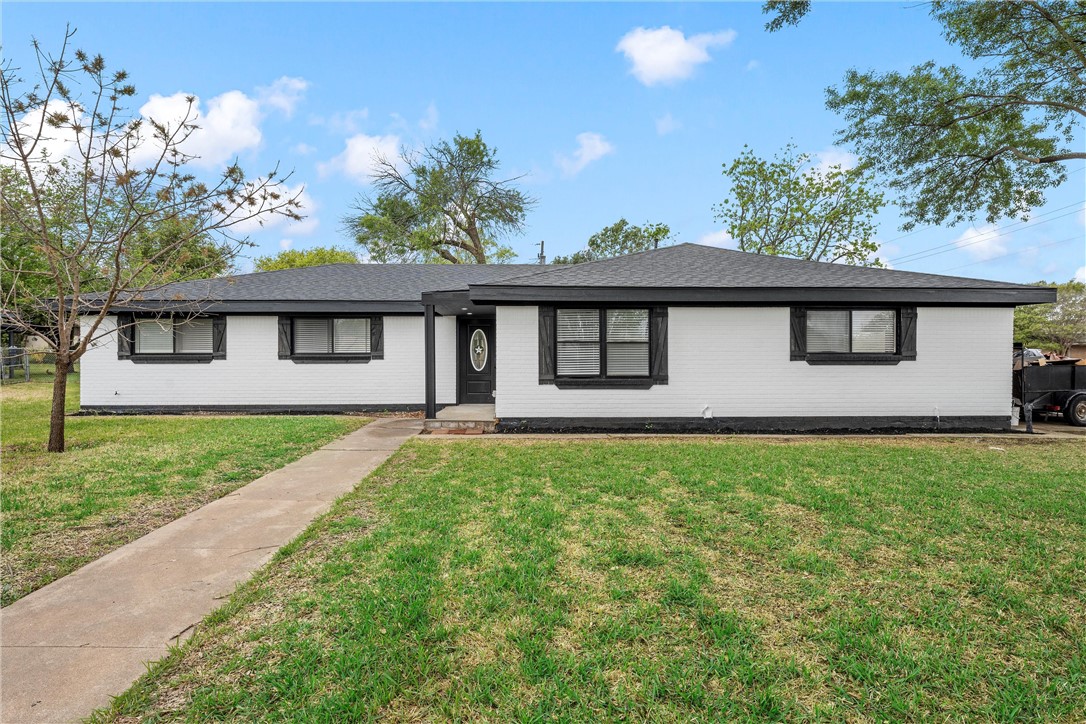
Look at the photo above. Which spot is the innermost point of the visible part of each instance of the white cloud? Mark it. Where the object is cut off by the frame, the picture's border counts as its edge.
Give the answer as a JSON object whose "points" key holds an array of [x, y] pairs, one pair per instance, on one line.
{"points": [[343, 122], [590, 147], [429, 120], [719, 239], [303, 149], [834, 157], [357, 160], [53, 144], [753, 65], [285, 244], [666, 55], [283, 94], [1080, 275], [230, 125], [667, 124], [982, 243]]}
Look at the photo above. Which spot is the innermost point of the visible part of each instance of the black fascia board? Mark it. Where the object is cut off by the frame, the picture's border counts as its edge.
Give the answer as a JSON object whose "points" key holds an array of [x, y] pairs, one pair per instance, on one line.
{"points": [[991, 296], [265, 307]]}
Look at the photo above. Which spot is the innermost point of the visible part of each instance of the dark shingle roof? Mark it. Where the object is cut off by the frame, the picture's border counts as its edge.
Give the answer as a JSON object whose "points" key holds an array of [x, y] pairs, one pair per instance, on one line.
{"points": [[343, 282], [706, 267], [695, 274], [331, 287], [682, 273]]}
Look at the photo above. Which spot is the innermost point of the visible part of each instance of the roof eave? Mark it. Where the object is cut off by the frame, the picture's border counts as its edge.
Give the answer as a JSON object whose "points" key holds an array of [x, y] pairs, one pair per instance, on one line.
{"points": [[992, 296], [227, 306]]}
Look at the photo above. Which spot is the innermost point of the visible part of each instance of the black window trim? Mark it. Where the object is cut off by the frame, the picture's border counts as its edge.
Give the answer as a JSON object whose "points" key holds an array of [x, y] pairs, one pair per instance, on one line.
{"points": [[286, 340], [127, 332], [657, 374], [904, 336]]}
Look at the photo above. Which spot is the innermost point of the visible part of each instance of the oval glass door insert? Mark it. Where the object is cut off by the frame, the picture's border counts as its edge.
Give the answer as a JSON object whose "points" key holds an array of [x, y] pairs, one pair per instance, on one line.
{"points": [[478, 350]]}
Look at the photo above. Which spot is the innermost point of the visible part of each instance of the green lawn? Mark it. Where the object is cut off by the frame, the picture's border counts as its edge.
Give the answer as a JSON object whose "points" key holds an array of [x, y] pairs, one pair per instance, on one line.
{"points": [[122, 476], [708, 580]]}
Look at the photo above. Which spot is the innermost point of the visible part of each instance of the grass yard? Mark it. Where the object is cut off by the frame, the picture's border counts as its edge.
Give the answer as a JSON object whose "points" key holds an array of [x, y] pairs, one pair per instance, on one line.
{"points": [[728, 580], [122, 476]]}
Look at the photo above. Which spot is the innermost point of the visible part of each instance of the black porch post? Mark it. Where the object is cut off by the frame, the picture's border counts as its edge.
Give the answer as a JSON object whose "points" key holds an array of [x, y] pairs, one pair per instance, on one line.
{"points": [[431, 366]]}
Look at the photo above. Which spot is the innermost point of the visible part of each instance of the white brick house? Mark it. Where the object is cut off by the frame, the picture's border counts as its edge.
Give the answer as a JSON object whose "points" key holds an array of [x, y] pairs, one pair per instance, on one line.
{"points": [[685, 337]]}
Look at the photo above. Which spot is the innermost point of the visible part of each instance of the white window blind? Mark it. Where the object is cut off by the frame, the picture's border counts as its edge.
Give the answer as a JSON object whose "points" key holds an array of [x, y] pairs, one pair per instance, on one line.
{"points": [[874, 331], [578, 342], [194, 336], [827, 330], [311, 336], [154, 336], [628, 342], [352, 335]]}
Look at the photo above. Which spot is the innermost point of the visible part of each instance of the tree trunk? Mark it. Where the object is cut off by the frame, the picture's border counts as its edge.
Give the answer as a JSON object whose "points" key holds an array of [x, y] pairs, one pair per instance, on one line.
{"points": [[56, 413]]}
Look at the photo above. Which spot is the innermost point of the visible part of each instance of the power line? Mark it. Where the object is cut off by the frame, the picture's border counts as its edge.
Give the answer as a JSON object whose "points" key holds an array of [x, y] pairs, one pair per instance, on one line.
{"points": [[954, 246], [1021, 251]]}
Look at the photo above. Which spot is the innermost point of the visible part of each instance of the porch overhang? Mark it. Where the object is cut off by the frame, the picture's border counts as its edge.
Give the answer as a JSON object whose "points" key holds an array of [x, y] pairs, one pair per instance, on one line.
{"points": [[454, 303]]}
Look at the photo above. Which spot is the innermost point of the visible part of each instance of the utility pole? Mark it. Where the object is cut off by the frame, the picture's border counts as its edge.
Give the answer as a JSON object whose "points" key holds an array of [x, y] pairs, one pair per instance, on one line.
{"points": [[542, 258]]}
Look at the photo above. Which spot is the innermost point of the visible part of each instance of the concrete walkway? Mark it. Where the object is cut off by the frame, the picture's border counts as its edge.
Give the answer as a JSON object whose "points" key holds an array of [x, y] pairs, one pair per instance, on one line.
{"points": [[70, 646]]}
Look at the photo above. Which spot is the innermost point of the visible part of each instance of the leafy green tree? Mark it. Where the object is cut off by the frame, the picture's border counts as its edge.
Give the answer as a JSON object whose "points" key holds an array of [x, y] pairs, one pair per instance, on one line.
{"points": [[114, 214], [788, 12], [619, 239], [954, 143], [192, 255], [444, 204], [1054, 326], [298, 258], [784, 206]]}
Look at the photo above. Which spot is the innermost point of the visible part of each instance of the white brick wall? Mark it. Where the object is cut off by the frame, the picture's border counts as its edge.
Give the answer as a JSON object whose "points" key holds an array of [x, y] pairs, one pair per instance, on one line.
{"points": [[735, 361], [253, 374]]}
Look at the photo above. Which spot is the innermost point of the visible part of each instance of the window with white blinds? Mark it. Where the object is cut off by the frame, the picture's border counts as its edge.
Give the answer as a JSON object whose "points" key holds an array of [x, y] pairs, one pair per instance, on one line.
{"points": [[351, 336], [602, 343], [578, 339], [331, 336], [856, 331], [194, 336], [874, 330], [312, 336], [154, 336], [827, 330], [627, 342]]}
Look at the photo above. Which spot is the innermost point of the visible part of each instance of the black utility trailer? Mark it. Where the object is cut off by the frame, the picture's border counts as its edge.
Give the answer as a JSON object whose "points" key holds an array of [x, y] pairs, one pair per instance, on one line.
{"points": [[1052, 388]]}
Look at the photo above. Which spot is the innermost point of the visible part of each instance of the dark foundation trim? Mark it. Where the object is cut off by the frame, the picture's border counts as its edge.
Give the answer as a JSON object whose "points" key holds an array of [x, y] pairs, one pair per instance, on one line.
{"points": [[730, 425], [246, 409]]}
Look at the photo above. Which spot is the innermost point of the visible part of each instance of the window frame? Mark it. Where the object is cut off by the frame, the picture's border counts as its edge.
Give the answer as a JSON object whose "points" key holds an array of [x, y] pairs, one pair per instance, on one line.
{"points": [[128, 339], [904, 336], [376, 331], [602, 379]]}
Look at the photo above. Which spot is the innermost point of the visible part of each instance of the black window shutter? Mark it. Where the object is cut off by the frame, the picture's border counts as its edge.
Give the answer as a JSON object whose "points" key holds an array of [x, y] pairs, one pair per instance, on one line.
{"points": [[798, 334], [218, 337], [658, 351], [284, 337], [126, 334], [907, 319], [547, 342], [377, 338]]}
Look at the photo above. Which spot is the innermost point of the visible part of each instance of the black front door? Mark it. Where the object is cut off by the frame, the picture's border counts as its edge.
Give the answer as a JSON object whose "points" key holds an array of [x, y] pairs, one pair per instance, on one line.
{"points": [[475, 365]]}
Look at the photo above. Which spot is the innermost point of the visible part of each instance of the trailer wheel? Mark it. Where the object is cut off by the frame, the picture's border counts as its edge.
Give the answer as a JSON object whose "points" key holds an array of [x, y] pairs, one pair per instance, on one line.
{"points": [[1075, 411]]}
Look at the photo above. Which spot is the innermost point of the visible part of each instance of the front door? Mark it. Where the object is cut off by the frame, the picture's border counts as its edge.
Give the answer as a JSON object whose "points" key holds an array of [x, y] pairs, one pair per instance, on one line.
{"points": [[475, 366]]}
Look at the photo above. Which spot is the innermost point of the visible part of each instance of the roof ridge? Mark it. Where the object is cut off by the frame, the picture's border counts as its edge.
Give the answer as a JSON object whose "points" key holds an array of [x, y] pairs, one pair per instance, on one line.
{"points": [[548, 269]]}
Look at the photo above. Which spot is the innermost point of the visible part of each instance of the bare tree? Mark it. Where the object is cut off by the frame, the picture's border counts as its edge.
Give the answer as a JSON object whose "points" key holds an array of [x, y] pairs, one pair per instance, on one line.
{"points": [[86, 182]]}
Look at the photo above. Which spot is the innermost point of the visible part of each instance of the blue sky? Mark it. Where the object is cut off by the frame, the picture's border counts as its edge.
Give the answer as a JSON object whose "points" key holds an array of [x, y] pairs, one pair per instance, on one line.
{"points": [[609, 110]]}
